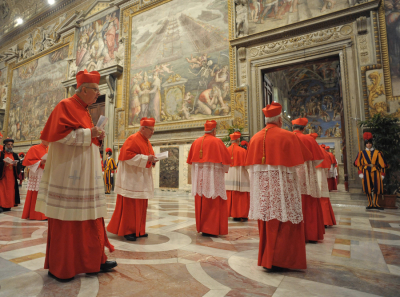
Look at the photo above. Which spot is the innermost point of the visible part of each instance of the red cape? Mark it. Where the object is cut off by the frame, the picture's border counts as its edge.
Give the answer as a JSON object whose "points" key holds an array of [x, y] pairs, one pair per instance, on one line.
{"points": [[134, 145], [214, 151], [327, 160], [34, 155], [239, 155], [281, 148], [311, 145], [333, 159], [70, 114]]}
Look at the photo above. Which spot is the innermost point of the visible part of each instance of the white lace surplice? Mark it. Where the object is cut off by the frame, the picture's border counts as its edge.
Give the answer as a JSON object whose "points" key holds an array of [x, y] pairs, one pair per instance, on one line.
{"points": [[308, 179], [275, 194], [323, 182], [208, 179], [35, 176], [237, 179]]}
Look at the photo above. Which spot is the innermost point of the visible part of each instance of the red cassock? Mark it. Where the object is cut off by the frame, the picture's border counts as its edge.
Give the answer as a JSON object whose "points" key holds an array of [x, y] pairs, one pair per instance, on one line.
{"points": [[238, 201], [211, 212], [281, 241], [33, 156], [73, 247], [327, 211], [332, 183], [7, 184], [312, 212], [129, 216]]}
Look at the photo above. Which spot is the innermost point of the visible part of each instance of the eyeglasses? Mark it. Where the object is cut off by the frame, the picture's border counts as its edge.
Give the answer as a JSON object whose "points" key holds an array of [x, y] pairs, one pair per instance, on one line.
{"points": [[152, 130], [95, 89]]}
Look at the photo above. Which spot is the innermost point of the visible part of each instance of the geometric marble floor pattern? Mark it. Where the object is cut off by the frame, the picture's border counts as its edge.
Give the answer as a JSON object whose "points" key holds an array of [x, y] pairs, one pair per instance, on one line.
{"points": [[358, 257]]}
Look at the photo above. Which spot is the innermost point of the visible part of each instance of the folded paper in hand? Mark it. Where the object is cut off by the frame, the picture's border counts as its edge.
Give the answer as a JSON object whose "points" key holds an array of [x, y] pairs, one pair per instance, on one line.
{"points": [[44, 156], [9, 161], [101, 123], [162, 156]]}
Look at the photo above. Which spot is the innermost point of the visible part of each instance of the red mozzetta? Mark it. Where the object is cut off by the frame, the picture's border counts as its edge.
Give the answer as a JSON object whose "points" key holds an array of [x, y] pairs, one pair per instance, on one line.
{"points": [[134, 145], [213, 151]]}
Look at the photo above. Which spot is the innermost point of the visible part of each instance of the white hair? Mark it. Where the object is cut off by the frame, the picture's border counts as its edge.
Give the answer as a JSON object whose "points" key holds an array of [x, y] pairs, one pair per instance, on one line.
{"points": [[273, 120], [209, 132], [78, 90]]}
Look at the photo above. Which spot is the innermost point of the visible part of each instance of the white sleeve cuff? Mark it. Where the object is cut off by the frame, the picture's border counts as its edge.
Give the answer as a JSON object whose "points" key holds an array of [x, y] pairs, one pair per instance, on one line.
{"points": [[34, 167], [138, 160], [78, 137]]}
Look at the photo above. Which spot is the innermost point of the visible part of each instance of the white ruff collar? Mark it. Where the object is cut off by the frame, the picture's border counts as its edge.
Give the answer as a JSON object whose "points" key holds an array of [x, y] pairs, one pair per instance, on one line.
{"points": [[371, 149]]}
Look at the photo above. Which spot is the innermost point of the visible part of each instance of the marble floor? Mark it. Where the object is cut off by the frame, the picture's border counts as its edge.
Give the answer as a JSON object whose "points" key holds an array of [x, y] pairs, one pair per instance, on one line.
{"points": [[358, 257]]}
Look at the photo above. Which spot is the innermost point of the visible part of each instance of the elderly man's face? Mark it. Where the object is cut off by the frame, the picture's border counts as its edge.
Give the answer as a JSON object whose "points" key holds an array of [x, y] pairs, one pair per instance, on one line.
{"points": [[9, 146], [91, 93], [147, 132]]}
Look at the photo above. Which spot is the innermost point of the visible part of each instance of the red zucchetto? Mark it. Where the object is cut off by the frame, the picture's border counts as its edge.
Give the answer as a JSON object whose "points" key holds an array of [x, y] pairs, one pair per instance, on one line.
{"points": [[147, 122], [314, 135], [87, 77], [327, 148], [322, 145], [300, 122], [235, 135], [209, 125], [272, 110]]}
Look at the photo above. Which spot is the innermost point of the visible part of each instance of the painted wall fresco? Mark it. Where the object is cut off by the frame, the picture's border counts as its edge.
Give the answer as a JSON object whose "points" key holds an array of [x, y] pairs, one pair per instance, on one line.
{"points": [[180, 62], [97, 43], [36, 90], [392, 11], [3, 88], [312, 91], [169, 168], [270, 14]]}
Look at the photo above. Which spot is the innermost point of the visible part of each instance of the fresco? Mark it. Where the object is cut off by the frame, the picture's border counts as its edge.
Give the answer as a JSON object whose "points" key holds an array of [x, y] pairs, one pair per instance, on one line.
{"points": [[392, 11], [36, 90], [3, 88], [180, 62], [310, 90], [97, 43], [270, 14], [169, 168]]}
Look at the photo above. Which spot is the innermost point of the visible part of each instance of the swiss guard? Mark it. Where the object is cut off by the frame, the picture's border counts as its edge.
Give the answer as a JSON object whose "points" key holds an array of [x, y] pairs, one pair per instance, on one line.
{"points": [[109, 167], [371, 169]]}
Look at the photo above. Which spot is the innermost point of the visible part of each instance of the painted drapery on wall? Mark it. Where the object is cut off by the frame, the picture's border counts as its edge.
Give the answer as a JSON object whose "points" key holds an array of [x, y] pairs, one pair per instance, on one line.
{"points": [[97, 43], [180, 62], [392, 11], [36, 90], [270, 14], [3, 89]]}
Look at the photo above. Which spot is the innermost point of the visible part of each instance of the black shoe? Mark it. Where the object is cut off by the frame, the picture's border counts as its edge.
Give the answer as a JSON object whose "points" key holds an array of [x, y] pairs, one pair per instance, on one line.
{"points": [[6, 209], [130, 237], [369, 207], [326, 226], [244, 219], [379, 208], [144, 235], [61, 280], [312, 241], [108, 265], [207, 235], [1, 209], [236, 219], [274, 269]]}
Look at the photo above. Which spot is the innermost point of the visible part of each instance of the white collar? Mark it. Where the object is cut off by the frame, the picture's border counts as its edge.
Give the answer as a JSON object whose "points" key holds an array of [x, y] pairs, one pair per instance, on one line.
{"points": [[371, 149]]}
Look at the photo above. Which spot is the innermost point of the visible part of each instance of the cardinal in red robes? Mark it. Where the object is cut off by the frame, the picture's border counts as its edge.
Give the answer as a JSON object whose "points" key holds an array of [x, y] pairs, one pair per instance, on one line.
{"points": [[310, 189], [210, 160], [134, 184], [332, 185], [237, 182], [33, 160], [1, 141], [275, 196], [71, 192], [10, 167], [322, 172]]}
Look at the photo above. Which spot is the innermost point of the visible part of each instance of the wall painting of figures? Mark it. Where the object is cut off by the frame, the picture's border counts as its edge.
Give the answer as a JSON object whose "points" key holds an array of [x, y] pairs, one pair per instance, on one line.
{"points": [[3, 89], [310, 90], [97, 42], [36, 90], [264, 15], [179, 62], [392, 12]]}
